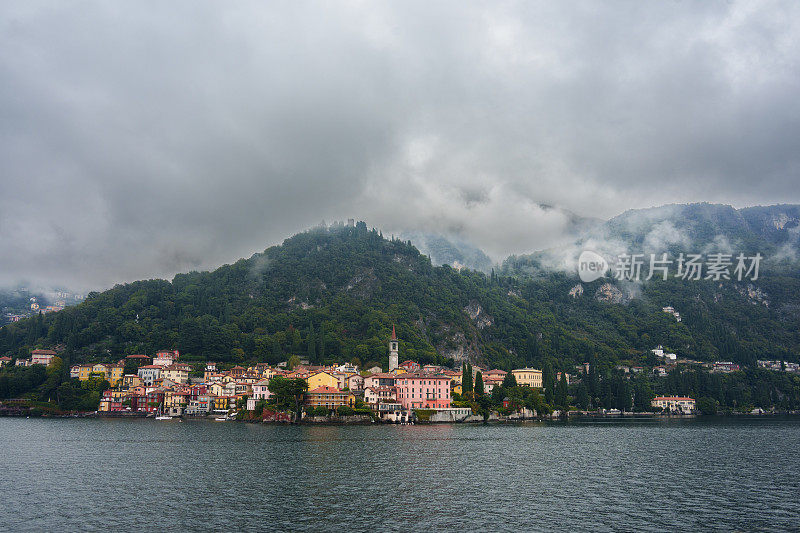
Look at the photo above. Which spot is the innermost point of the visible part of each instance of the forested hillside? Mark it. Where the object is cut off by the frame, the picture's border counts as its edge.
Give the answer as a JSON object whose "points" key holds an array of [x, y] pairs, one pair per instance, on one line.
{"points": [[332, 294]]}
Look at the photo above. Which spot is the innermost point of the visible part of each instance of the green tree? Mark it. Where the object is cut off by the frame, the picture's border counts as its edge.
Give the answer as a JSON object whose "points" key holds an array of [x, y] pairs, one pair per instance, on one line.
{"points": [[509, 381], [312, 344], [707, 406], [549, 382], [582, 396], [466, 381], [478, 385], [561, 392], [288, 393]]}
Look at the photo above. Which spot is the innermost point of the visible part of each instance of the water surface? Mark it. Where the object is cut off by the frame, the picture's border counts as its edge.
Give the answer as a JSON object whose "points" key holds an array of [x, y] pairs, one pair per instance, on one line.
{"points": [[658, 475]]}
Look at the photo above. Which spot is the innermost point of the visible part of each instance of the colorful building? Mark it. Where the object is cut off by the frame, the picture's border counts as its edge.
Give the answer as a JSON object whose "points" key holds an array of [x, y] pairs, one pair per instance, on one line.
{"points": [[322, 379], [528, 377], [423, 391], [42, 357], [681, 404], [329, 397]]}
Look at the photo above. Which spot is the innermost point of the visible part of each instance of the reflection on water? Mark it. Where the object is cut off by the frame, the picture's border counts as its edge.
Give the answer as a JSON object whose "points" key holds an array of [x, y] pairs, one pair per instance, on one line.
{"points": [[653, 474]]}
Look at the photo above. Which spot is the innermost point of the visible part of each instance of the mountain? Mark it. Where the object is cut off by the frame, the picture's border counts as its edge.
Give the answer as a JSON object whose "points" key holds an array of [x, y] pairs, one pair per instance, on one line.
{"points": [[333, 294], [448, 250], [772, 231]]}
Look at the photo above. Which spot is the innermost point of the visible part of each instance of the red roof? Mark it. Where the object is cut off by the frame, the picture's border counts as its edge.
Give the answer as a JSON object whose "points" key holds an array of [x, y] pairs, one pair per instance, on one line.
{"points": [[394, 335], [43, 352], [137, 356], [325, 389], [421, 375], [674, 398]]}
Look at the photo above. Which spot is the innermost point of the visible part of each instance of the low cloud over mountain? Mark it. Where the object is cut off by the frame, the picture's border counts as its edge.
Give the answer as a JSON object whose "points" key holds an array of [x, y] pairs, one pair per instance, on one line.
{"points": [[139, 141]]}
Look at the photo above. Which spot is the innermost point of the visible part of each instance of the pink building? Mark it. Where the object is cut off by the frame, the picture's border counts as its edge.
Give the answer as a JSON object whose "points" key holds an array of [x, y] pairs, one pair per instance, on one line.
{"points": [[261, 390], [42, 357], [423, 391]]}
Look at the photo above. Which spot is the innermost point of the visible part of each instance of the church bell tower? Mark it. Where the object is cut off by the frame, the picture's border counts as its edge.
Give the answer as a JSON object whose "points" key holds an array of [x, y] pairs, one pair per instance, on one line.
{"points": [[393, 356]]}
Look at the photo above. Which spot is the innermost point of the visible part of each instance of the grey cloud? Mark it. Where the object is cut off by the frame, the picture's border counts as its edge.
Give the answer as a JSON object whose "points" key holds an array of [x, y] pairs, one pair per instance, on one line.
{"points": [[141, 139]]}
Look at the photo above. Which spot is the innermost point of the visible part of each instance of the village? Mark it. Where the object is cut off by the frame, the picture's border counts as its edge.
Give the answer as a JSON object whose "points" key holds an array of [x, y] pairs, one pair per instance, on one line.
{"points": [[165, 387]]}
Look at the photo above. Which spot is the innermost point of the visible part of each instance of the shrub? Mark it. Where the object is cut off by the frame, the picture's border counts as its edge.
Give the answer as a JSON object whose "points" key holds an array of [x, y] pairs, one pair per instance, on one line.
{"points": [[345, 410]]}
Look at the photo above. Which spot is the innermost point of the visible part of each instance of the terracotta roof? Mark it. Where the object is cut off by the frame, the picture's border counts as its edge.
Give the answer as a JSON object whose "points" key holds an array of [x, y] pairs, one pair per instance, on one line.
{"points": [[138, 356], [326, 390], [673, 398], [421, 375], [43, 352], [394, 335]]}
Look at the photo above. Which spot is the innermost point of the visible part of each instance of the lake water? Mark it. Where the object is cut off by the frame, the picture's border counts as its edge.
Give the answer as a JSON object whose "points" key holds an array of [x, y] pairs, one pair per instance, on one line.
{"points": [[659, 475]]}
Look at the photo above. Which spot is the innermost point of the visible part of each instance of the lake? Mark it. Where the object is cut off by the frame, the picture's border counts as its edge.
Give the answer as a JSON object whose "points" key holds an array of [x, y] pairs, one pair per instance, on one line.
{"points": [[641, 474]]}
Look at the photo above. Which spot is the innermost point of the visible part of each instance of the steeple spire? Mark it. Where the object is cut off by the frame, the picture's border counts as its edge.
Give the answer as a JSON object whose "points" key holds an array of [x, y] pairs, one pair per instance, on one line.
{"points": [[393, 352]]}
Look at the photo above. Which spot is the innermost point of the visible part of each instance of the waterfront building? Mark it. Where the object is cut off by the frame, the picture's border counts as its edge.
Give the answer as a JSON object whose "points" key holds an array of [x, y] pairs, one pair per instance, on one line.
{"points": [[423, 391], [329, 397], [378, 395], [681, 404]]}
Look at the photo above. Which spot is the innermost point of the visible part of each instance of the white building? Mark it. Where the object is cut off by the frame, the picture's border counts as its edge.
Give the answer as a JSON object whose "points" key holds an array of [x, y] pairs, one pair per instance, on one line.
{"points": [[149, 374], [42, 357], [680, 404]]}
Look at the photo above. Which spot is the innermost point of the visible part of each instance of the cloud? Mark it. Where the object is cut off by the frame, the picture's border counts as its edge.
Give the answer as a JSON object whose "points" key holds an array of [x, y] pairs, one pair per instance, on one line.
{"points": [[142, 139]]}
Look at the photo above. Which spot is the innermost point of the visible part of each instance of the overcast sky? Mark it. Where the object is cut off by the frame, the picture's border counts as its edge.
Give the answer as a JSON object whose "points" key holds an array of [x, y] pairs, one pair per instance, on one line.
{"points": [[139, 139]]}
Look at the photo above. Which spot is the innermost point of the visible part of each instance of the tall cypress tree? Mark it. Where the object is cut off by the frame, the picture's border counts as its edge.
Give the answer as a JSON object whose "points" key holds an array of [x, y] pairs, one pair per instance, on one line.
{"points": [[478, 385], [561, 391], [549, 382], [466, 381]]}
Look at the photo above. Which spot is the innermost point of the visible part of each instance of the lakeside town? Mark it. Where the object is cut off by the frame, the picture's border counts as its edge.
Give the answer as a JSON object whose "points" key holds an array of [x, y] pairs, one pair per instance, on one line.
{"points": [[165, 387]]}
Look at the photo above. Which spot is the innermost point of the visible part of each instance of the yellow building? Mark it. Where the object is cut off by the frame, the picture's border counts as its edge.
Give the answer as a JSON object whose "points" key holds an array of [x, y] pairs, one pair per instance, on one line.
{"points": [[84, 372], [224, 402], [529, 377], [457, 388], [130, 381], [115, 373], [176, 374], [174, 400], [329, 397], [322, 379]]}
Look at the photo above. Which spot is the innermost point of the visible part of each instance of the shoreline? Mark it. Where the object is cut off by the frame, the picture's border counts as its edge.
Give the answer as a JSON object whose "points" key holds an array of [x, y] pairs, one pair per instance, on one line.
{"points": [[364, 421]]}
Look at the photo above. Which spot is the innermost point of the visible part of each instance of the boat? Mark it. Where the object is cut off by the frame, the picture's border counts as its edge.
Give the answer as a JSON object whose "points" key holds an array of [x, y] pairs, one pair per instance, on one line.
{"points": [[161, 416]]}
